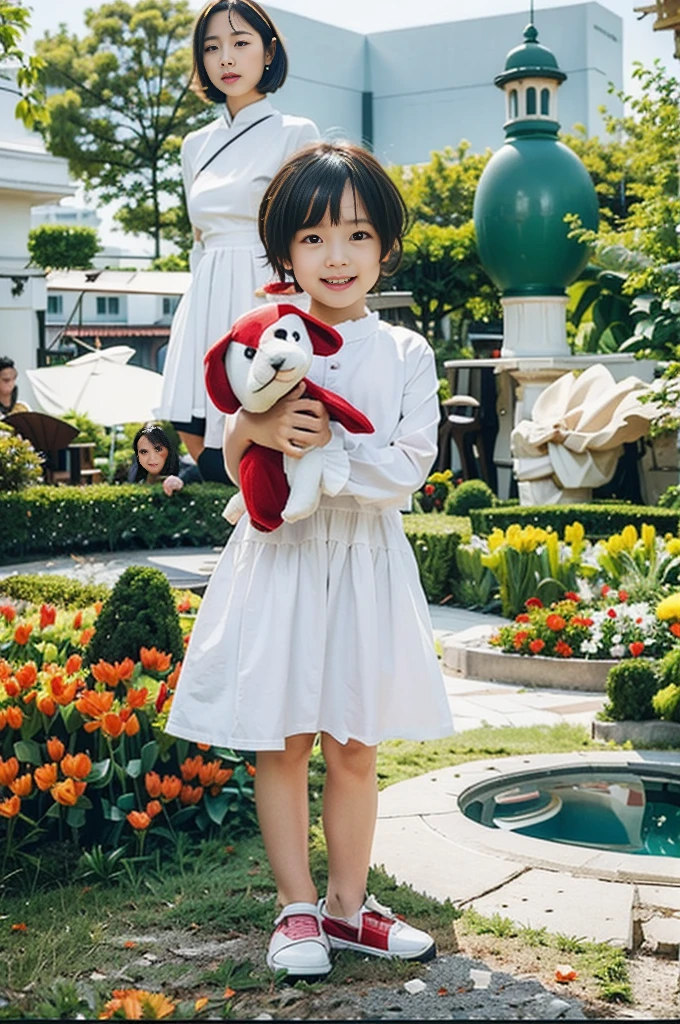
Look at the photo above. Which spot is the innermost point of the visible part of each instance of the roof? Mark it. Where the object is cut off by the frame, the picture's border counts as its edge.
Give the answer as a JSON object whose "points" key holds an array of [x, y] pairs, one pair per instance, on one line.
{"points": [[530, 60], [130, 282], [117, 331]]}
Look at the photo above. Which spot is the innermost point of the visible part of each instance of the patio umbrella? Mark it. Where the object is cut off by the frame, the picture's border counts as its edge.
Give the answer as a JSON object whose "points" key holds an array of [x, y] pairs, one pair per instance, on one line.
{"points": [[100, 384]]}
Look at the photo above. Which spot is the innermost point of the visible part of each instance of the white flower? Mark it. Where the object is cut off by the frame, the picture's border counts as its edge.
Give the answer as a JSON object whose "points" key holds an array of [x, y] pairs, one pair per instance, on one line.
{"points": [[589, 647], [584, 590], [617, 638], [617, 651]]}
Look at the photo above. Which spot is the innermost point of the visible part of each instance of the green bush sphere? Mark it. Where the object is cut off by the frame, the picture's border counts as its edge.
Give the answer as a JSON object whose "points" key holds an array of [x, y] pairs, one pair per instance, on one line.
{"points": [[468, 495], [666, 703], [140, 612], [631, 686]]}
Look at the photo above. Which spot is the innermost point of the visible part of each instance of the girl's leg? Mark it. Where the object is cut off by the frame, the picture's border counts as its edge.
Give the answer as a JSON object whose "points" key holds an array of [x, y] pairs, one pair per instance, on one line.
{"points": [[194, 444], [349, 812], [281, 797]]}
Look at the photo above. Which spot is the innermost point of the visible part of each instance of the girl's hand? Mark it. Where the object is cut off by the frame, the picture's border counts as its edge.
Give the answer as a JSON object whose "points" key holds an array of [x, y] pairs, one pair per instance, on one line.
{"points": [[171, 484], [291, 426]]}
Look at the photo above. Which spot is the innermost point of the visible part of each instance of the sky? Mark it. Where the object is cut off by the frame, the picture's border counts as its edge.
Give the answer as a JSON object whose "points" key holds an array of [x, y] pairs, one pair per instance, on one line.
{"points": [[640, 41]]}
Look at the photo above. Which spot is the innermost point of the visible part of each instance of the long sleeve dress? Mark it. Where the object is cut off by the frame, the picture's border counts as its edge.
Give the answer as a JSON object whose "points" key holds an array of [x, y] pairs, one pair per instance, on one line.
{"points": [[228, 265], [322, 624]]}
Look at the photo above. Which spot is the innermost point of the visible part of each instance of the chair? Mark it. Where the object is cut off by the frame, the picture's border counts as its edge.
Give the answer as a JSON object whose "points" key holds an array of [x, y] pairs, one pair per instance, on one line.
{"points": [[465, 431], [47, 434]]}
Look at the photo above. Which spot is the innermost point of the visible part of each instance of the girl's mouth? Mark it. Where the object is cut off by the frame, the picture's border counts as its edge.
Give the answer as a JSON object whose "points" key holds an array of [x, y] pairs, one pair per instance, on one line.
{"points": [[230, 79], [338, 284]]}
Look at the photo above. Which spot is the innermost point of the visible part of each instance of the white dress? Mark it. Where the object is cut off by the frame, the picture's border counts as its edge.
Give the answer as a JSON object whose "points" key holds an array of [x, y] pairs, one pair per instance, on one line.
{"points": [[223, 202], [322, 624]]}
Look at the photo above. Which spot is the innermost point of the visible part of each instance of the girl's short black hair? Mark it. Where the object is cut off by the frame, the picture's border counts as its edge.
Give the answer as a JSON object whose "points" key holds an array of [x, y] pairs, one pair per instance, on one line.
{"points": [[8, 364], [258, 19], [311, 182], [156, 435]]}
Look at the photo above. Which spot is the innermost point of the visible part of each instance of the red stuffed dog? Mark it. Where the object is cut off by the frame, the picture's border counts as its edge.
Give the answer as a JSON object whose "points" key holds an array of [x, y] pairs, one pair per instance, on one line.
{"points": [[265, 355]]}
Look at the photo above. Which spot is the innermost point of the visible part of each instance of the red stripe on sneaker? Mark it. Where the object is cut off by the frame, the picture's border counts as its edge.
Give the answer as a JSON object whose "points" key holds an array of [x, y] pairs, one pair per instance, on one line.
{"points": [[340, 929], [375, 931]]}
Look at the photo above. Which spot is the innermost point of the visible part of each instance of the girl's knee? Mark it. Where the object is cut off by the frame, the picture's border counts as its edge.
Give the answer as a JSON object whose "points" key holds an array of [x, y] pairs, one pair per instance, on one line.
{"points": [[352, 757], [298, 749]]}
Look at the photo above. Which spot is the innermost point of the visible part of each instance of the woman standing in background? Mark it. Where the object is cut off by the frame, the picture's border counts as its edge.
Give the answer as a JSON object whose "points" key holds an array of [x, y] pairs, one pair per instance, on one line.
{"points": [[227, 165]]}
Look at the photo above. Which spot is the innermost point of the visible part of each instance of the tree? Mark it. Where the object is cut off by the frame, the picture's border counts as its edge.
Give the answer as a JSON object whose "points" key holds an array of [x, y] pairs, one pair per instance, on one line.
{"points": [[441, 266], [63, 247], [14, 21], [120, 104]]}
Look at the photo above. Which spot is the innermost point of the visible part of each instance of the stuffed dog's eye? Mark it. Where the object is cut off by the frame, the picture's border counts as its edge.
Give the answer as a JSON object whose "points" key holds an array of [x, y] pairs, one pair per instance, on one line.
{"points": [[296, 335], [250, 353]]}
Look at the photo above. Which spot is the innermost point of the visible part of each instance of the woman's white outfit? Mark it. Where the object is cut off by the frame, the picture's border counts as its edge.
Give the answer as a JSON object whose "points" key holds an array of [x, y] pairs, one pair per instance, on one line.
{"points": [[228, 265], [322, 625]]}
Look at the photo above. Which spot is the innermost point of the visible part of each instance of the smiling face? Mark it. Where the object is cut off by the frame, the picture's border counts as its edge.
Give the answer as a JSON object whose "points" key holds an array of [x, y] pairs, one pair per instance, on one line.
{"points": [[260, 376], [234, 58], [151, 455], [337, 264]]}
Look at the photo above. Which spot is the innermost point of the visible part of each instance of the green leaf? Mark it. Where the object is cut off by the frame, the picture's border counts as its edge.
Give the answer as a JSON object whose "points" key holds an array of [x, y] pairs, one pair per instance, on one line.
{"points": [[134, 767], [149, 753], [99, 773], [183, 815], [75, 817], [28, 750], [126, 802], [54, 811], [217, 806]]}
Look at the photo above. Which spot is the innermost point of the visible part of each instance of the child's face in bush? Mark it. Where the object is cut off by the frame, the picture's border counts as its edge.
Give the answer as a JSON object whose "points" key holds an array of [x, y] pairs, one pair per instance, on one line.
{"points": [[151, 456]]}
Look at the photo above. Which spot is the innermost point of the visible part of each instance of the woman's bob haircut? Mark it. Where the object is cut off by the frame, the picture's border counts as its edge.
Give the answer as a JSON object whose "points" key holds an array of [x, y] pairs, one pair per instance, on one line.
{"points": [[259, 20], [313, 181], [156, 436]]}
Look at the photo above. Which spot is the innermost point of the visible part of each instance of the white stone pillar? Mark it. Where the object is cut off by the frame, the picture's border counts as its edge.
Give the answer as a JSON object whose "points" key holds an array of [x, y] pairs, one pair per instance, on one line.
{"points": [[535, 326]]}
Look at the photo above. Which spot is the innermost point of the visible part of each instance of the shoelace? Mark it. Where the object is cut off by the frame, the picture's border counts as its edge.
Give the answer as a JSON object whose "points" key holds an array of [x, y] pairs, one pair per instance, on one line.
{"points": [[300, 926]]}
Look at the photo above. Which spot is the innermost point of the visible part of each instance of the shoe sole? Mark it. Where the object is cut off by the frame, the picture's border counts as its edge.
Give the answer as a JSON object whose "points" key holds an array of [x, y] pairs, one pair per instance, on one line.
{"points": [[313, 974], [356, 947]]}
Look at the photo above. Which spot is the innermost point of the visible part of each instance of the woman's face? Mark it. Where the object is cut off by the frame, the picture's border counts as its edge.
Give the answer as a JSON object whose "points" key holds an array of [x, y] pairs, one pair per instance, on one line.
{"points": [[234, 58], [151, 456], [8, 378]]}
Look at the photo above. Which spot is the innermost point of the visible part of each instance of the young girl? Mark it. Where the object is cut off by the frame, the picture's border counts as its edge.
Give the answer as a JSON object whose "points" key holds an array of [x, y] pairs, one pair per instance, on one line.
{"points": [[238, 58], [321, 626], [156, 459]]}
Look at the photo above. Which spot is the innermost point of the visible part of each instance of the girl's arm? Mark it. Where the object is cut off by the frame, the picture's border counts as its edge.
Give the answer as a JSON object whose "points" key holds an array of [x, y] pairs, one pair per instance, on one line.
{"points": [[292, 425], [389, 475]]}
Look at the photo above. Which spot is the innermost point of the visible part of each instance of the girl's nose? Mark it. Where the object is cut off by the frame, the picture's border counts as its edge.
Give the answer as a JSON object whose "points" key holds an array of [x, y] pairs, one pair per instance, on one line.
{"points": [[337, 258]]}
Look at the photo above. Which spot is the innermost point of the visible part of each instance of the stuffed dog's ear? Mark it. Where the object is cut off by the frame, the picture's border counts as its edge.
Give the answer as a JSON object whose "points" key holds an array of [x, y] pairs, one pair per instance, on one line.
{"points": [[325, 340], [216, 380]]}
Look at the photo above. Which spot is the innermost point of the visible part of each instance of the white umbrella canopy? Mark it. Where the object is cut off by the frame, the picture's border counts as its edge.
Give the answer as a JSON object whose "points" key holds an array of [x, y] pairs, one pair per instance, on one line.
{"points": [[101, 385]]}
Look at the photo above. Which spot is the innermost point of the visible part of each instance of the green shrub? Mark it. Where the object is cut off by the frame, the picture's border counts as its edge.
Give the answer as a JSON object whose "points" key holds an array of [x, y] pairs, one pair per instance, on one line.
{"points": [[89, 432], [139, 612], [434, 540], [20, 466], [598, 519], [670, 497], [666, 703], [62, 245], [468, 495], [631, 685], [48, 520], [57, 590], [669, 667]]}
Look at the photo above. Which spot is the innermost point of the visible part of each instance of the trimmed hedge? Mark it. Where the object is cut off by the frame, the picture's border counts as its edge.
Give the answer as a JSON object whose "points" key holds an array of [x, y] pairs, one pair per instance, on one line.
{"points": [[434, 539], [598, 520], [52, 588], [48, 520]]}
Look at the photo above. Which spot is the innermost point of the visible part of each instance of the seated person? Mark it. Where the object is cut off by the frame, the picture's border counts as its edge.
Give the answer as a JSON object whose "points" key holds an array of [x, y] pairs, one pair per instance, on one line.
{"points": [[156, 459], [9, 391]]}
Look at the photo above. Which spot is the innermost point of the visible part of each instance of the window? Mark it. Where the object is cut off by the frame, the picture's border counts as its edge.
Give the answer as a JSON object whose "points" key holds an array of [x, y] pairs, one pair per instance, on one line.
{"points": [[531, 100], [170, 304], [545, 102], [55, 305], [108, 305], [513, 103]]}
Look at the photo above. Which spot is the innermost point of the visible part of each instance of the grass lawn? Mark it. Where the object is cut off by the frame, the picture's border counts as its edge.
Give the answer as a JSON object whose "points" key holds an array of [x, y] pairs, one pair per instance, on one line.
{"points": [[194, 922]]}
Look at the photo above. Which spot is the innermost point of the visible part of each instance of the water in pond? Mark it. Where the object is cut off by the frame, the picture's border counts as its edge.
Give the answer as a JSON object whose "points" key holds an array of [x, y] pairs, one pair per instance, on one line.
{"points": [[629, 811]]}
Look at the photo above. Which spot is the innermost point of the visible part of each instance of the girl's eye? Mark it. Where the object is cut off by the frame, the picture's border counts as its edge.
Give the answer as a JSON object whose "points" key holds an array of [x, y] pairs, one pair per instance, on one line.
{"points": [[312, 239], [209, 48], [241, 42], [358, 236]]}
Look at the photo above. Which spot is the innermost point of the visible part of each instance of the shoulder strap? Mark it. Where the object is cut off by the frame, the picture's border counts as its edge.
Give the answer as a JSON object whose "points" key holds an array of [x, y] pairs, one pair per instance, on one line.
{"points": [[229, 142]]}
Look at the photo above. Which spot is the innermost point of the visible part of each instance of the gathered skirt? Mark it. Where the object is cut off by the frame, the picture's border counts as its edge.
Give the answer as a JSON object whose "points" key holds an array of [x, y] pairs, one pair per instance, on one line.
{"points": [[319, 626]]}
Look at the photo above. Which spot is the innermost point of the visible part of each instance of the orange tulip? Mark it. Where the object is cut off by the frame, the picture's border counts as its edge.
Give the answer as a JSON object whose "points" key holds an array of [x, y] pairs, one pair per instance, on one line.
{"points": [[152, 781], [73, 664], [15, 717], [22, 634], [48, 615], [203, 746], [3, 719], [46, 776], [55, 748], [223, 776], [76, 766], [190, 795], [12, 688], [137, 1004], [94, 704], [26, 675], [10, 808], [8, 612], [250, 768], [98, 605], [137, 698], [104, 672], [171, 787], [9, 770], [79, 787], [63, 692], [153, 808], [208, 772], [190, 767], [173, 678], [46, 705], [29, 697], [153, 660], [23, 785], [139, 820], [65, 793], [111, 725], [132, 726], [77, 620], [86, 636]]}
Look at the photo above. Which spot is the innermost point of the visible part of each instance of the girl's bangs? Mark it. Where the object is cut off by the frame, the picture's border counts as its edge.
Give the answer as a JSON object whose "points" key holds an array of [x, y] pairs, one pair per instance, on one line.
{"points": [[320, 190]]}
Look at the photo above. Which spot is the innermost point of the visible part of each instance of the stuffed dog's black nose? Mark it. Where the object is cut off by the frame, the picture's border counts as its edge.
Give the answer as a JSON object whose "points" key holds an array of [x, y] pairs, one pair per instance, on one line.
{"points": [[276, 364]]}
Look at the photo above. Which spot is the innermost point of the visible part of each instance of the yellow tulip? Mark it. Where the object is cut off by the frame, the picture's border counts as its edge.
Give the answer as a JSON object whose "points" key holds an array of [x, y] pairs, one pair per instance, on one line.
{"points": [[629, 536], [673, 546], [648, 535], [669, 608]]}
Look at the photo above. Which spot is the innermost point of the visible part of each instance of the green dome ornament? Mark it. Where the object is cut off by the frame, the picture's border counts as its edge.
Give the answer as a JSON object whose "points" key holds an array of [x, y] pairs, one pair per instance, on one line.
{"points": [[531, 183]]}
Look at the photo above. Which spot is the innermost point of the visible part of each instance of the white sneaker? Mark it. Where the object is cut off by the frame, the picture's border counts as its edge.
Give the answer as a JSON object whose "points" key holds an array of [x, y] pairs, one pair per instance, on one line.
{"points": [[299, 944], [375, 930]]}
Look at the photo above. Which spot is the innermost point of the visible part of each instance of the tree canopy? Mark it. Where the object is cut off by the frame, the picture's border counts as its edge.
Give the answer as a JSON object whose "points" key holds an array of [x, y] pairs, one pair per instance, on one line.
{"points": [[119, 105], [15, 19]]}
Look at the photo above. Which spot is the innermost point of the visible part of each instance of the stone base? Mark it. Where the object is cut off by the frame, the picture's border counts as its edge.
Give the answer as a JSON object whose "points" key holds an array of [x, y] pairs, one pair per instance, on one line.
{"points": [[643, 734], [469, 654]]}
